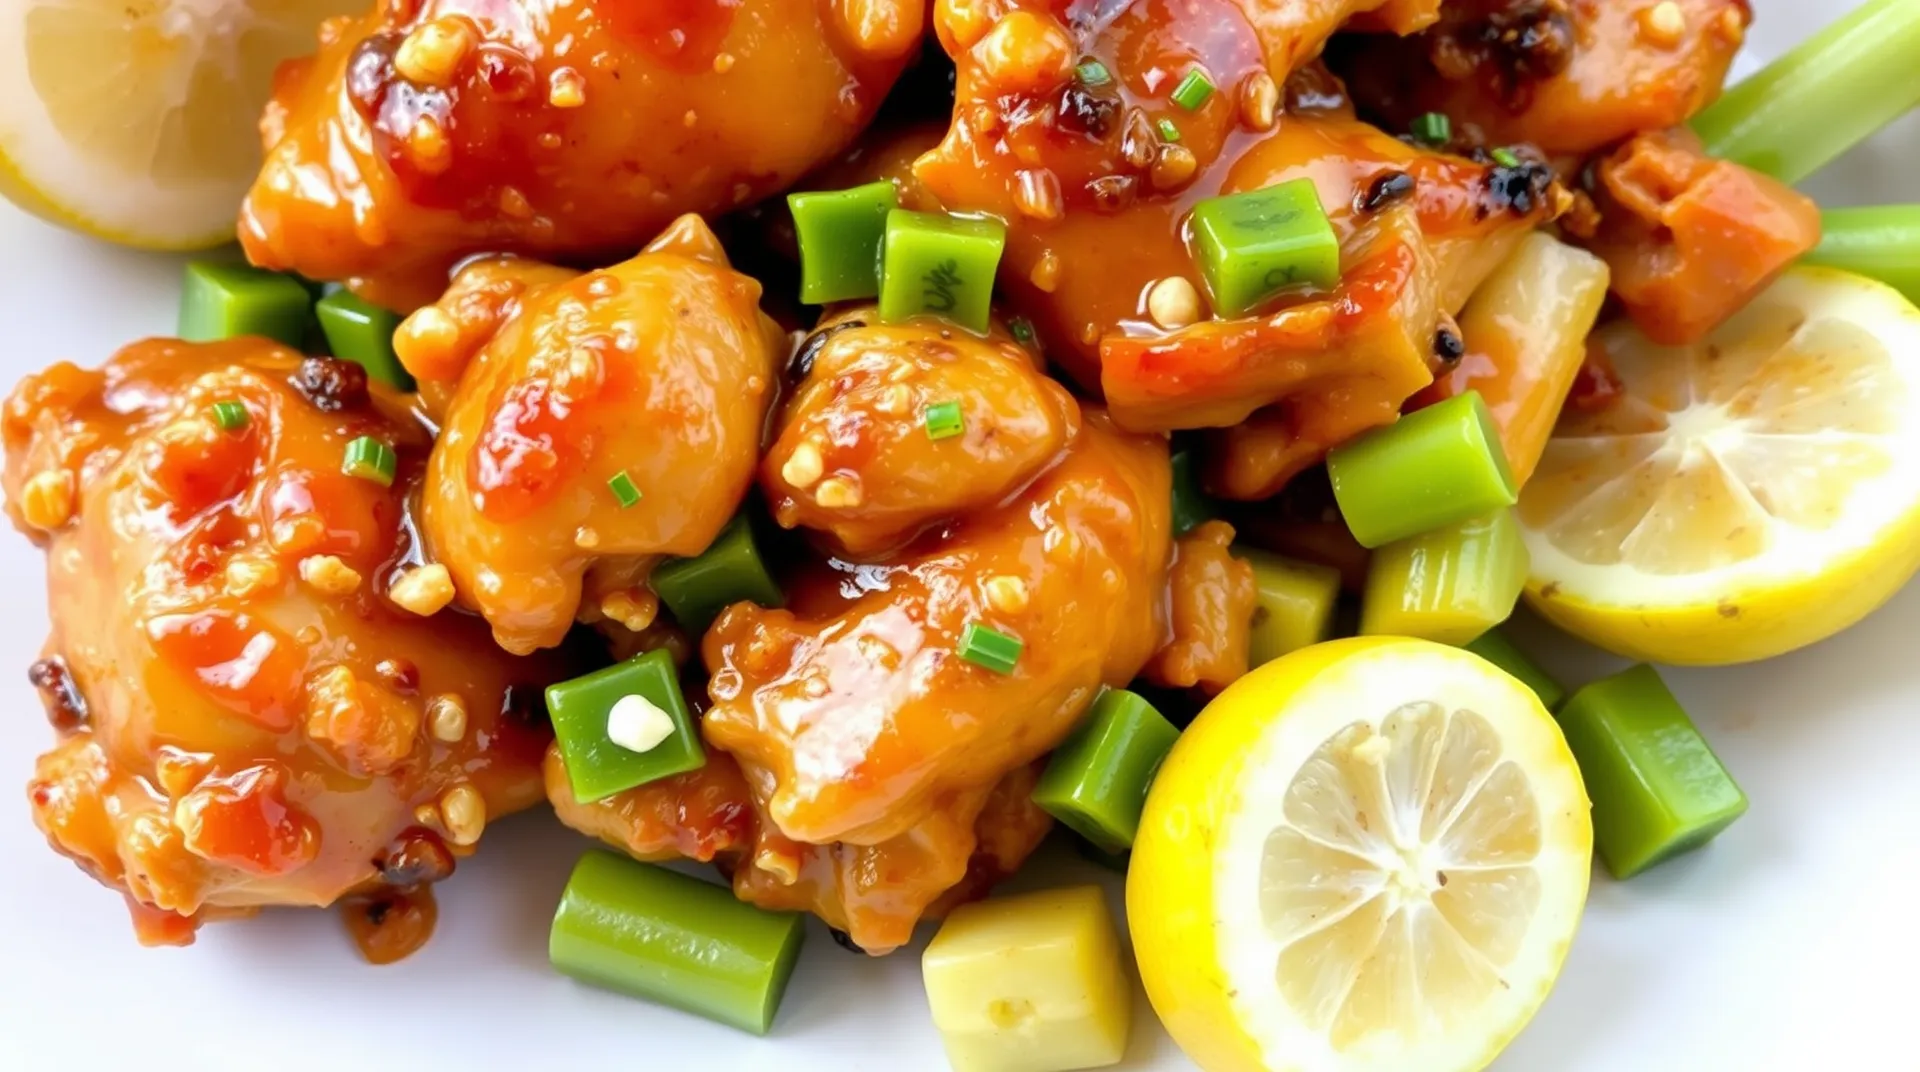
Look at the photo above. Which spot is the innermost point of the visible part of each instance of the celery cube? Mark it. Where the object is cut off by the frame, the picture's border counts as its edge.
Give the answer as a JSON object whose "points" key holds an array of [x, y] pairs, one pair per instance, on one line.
{"points": [[1293, 604], [1252, 245], [939, 266], [1449, 585], [1032, 983]]}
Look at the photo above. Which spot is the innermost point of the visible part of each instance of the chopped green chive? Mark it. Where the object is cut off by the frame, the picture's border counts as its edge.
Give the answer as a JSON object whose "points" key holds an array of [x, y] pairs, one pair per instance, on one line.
{"points": [[945, 420], [1168, 132], [230, 416], [369, 459], [1097, 781], [661, 936], [1433, 128], [840, 233], [361, 332], [1257, 243], [985, 646], [583, 714], [940, 265], [1505, 158], [226, 301], [1193, 90], [623, 489], [1022, 330], [1093, 73]]}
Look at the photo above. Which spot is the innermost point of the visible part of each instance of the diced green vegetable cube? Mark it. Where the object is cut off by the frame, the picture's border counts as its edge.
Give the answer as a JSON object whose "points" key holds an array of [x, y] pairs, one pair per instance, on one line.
{"points": [[1449, 585], [625, 491], [230, 416], [1191, 505], [1032, 983], [226, 301], [945, 420], [361, 332], [1497, 648], [1657, 788], [597, 767], [1433, 128], [1096, 782], [1434, 467], [1255, 244], [729, 571], [1294, 604], [940, 265], [1169, 131], [665, 937], [840, 232]]}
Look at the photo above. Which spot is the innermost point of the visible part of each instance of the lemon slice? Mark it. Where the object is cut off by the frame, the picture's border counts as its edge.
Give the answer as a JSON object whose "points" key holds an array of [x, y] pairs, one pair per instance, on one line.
{"points": [[1366, 855], [1745, 496], [136, 120]]}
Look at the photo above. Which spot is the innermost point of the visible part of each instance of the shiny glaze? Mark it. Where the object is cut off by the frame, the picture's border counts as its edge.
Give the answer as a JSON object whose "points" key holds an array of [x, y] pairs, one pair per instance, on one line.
{"points": [[1691, 239], [861, 725], [1569, 76], [859, 410], [527, 141], [233, 735], [873, 893], [1210, 609], [661, 366]]}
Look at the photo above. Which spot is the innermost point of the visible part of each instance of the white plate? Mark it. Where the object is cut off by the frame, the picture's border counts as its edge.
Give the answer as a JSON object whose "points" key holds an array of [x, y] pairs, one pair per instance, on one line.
{"points": [[1791, 943]]}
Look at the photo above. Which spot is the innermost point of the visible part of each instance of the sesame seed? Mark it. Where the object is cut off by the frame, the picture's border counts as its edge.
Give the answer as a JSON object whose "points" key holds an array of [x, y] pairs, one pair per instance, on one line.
{"points": [[1046, 272], [447, 717], [586, 538], [432, 53], [1259, 101], [1037, 194], [723, 63], [46, 503], [1663, 24], [566, 89], [465, 812], [1007, 594], [836, 493], [804, 466], [1173, 303]]}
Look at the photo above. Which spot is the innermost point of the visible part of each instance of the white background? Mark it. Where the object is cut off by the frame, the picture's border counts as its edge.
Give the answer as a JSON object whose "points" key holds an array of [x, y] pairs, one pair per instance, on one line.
{"points": [[1793, 942]]}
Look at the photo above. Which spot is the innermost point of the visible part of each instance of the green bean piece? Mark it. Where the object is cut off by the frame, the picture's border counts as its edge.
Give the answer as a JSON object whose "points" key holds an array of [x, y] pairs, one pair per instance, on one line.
{"points": [[1449, 585], [665, 937], [840, 233], [361, 332], [1823, 97], [1497, 648], [1294, 604], [1432, 468], [729, 571], [1255, 244], [1881, 243], [940, 266], [226, 301], [587, 711], [1191, 505], [1096, 783], [1657, 788]]}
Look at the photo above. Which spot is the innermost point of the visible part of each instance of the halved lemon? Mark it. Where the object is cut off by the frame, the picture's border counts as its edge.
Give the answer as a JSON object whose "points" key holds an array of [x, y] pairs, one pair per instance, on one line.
{"points": [[1366, 855], [136, 121], [1745, 496]]}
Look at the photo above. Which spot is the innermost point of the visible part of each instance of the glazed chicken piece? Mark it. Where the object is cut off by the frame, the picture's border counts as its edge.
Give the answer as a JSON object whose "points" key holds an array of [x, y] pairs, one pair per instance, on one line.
{"points": [[873, 893], [1210, 611], [1690, 239], [1571, 77], [861, 722], [852, 456], [256, 701], [426, 130], [660, 368]]}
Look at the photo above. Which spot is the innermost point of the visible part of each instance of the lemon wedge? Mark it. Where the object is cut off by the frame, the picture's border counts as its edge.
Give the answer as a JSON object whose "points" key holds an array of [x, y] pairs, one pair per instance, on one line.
{"points": [[136, 121], [1366, 855], [1742, 497]]}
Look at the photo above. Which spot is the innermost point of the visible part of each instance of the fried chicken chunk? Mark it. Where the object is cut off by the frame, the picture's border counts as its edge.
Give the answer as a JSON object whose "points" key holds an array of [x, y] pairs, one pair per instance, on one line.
{"points": [[256, 702], [853, 457], [1571, 77], [659, 369], [861, 723], [426, 130]]}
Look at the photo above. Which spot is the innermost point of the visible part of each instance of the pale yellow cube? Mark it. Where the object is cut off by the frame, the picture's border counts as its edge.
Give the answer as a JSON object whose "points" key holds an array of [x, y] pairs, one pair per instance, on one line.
{"points": [[1033, 983]]}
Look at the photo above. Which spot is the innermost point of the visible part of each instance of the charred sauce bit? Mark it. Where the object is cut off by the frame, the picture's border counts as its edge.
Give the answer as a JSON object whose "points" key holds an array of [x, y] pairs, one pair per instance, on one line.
{"points": [[392, 925], [1529, 41], [416, 858], [329, 384], [801, 365], [1448, 346], [1520, 188], [66, 708], [1387, 189]]}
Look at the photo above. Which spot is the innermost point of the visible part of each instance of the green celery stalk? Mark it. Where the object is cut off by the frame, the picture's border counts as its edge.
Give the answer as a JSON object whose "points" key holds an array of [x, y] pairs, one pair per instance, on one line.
{"points": [[1819, 100], [1881, 243]]}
